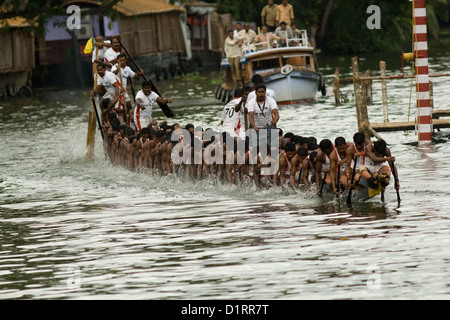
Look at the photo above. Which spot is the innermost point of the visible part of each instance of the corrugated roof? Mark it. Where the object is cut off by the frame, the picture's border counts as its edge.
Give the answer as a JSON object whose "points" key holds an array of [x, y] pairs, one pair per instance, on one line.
{"points": [[136, 7], [16, 22], [132, 7]]}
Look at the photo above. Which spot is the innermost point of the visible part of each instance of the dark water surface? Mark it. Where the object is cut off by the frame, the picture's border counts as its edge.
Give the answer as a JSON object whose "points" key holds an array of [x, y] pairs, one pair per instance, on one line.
{"points": [[77, 229]]}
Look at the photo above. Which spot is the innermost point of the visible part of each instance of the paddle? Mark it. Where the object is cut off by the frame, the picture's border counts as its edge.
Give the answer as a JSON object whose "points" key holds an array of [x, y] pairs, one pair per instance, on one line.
{"points": [[164, 107], [394, 172], [349, 196], [98, 118], [323, 182], [94, 106], [125, 115]]}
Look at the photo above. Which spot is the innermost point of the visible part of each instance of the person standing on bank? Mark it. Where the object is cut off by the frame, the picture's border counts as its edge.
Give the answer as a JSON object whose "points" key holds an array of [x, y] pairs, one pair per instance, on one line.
{"points": [[269, 16], [233, 54]]}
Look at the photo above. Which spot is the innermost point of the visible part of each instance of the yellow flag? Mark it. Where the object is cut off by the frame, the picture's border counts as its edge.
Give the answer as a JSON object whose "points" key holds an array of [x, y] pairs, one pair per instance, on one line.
{"points": [[88, 48]]}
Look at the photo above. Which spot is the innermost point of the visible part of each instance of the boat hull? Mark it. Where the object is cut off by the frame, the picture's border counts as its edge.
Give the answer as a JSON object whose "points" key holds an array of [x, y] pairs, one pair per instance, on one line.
{"points": [[294, 88]]}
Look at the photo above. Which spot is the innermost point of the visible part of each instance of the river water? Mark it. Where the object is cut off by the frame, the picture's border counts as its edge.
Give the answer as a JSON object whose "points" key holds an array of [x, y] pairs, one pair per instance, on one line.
{"points": [[77, 229]]}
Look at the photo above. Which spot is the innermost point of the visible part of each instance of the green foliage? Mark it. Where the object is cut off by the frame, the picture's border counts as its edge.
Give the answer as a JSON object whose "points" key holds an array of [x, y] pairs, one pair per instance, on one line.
{"points": [[345, 29]]}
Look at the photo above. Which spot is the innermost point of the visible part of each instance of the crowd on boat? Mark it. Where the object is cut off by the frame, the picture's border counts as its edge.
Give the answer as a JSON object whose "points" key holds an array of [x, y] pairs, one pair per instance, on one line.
{"points": [[277, 30]]}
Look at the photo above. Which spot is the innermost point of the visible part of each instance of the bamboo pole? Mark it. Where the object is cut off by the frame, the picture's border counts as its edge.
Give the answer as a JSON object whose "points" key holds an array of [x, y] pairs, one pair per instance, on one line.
{"points": [[336, 88], [368, 87], [384, 91], [90, 140], [357, 91], [361, 105]]}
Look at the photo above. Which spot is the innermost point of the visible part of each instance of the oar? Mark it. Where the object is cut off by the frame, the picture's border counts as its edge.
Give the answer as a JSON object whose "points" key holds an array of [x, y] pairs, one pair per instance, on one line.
{"points": [[164, 107], [323, 182], [349, 197], [132, 89], [338, 180], [394, 172], [98, 118], [125, 115]]}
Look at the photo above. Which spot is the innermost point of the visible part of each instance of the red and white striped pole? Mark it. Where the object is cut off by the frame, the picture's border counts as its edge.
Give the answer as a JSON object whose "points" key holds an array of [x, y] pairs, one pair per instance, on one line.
{"points": [[424, 122]]}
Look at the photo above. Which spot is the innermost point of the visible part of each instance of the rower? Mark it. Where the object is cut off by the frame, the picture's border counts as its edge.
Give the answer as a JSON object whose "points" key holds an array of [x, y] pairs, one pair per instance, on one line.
{"points": [[145, 99], [101, 45], [355, 154], [337, 165], [323, 163], [297, 166], [285, 163], [112, 53], [231, 115], [108, 86], [122, 72], [375, 169]]}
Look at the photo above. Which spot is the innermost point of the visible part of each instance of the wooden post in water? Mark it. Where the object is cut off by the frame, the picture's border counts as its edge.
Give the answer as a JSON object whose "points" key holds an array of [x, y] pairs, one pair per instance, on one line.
{"points": [[423, 114], [368, 87], [336, 88], [384, 91], [361, 105]]}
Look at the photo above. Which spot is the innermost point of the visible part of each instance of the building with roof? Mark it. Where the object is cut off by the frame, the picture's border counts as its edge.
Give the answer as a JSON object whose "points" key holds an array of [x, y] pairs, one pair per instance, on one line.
{"points": [[18, 57], [152, 31]]}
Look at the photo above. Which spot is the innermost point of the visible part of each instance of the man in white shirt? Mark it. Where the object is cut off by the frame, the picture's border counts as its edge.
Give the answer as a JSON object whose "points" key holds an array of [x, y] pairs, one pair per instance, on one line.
{"points": [[263, 114], [100, 45], [259, 79], [145, 99], [233, 53], [108, 86], [112, 53], [247, 34], [122, 75], [231, 115]]}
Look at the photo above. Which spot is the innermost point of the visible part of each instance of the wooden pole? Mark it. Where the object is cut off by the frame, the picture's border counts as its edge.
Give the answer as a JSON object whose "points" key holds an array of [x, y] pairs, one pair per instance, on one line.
{"points": [[368, 85], [336, 87], [90, 140], [357, 91], [361, 106], [384, 91]]}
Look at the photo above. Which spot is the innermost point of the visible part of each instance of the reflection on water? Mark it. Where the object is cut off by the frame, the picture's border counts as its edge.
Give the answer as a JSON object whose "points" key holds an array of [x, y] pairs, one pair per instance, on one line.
{"points": [[72, 228]]}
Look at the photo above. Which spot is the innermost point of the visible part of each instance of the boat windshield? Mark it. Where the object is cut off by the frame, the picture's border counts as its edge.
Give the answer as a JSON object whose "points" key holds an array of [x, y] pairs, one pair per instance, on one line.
{"points": [[289, 40]]}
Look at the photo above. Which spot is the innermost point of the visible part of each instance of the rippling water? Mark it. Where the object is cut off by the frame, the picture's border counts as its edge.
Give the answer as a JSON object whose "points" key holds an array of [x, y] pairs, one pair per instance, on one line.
{"points": [[77, 229]]}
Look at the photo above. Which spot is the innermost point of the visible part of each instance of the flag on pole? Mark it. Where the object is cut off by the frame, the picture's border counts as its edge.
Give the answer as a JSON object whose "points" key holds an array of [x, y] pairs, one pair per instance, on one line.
{"points": [[89, 46]]}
